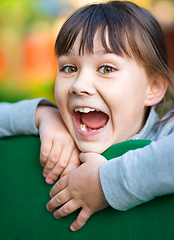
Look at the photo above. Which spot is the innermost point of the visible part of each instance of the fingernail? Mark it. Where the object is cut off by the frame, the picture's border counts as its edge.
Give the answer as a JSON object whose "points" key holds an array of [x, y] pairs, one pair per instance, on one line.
{"points": [[72, 228], [51, 195], [55, 215], [47, 208], [49, 181], [45, 175]]}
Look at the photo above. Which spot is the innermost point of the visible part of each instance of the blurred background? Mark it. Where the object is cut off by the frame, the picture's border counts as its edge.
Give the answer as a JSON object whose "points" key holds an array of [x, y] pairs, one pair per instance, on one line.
{"points": [[28, 29]]}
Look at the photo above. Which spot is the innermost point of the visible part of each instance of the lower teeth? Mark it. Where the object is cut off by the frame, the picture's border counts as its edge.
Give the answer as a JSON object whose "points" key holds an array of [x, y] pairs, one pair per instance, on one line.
{"points": [[83, 127]]}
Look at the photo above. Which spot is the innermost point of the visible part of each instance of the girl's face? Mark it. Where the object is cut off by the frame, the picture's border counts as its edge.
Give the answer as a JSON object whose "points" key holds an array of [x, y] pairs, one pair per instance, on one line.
{"points": [[101, 96]]}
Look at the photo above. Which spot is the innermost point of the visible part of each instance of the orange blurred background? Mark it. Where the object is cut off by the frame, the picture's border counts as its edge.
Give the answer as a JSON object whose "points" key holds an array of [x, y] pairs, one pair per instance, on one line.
{"points": [[28, 29]]}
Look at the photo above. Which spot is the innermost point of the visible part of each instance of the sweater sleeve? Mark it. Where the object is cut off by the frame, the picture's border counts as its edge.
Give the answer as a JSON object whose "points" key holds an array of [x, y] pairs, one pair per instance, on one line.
{"points": [[139, 175], [19, 118]]}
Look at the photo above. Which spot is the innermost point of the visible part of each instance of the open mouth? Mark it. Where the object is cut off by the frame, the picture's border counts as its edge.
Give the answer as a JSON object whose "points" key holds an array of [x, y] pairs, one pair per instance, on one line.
{"points": [[89, 119]]}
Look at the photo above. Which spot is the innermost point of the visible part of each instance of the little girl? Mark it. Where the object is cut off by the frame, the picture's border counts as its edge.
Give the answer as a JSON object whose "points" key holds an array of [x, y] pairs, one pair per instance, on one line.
{"points": [[113, 70]]}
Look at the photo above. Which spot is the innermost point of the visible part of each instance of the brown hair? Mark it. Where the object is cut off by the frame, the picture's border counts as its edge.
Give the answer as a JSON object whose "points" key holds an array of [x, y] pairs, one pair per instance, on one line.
{"points": [[132, 31]]}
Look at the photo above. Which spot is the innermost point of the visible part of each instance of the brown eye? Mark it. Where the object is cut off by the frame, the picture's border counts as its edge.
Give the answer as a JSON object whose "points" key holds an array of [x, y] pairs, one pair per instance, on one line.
{"points": [[69, 69], [106, 69]]}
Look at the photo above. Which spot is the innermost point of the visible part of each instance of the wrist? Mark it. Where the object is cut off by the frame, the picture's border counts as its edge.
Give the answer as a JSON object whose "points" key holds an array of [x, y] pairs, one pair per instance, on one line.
{"points": [[40, 110]]}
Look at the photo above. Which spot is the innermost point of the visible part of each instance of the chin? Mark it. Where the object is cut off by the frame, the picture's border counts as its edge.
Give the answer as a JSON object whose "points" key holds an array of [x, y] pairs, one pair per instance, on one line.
{"points": [[86, 148]]}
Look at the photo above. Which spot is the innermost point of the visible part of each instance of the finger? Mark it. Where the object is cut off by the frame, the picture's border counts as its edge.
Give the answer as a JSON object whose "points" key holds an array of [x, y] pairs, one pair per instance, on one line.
{"points": [[74, 162], [83, 216], [63, 161], [46, 146], [66, 209], [58, 200], [59, 186], [59, 166], [53, 158], [84, 157]]}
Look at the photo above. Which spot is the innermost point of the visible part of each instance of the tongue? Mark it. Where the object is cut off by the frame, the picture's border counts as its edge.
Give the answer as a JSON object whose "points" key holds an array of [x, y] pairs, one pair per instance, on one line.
{"points": [[94, 119]]}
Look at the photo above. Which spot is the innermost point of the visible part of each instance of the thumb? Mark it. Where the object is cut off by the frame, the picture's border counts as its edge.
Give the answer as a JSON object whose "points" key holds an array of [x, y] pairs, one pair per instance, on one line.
{"points": [[83, 157]]}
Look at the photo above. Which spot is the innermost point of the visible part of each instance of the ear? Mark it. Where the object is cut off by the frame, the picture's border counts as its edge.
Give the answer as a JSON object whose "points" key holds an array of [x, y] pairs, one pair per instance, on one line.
{"points": [[157, 90]]}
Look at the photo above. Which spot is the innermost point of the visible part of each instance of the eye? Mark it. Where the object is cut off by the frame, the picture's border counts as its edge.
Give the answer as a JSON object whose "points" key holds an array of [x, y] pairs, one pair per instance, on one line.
{"points": [[68, 69], [106, 69]]}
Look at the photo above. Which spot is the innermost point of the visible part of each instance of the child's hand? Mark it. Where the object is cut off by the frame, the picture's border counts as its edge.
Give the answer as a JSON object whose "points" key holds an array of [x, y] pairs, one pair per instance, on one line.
{"points": [[81, 188], [59, 154]]}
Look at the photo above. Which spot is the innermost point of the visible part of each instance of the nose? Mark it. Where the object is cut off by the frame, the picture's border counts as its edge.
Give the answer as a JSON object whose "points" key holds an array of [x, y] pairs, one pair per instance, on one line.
{"points": [[83, 85]]}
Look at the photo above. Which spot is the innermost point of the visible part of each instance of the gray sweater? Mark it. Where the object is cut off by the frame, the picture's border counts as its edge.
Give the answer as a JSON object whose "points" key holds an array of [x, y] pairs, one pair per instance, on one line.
{"points": [[19, 118], [143, 174]]}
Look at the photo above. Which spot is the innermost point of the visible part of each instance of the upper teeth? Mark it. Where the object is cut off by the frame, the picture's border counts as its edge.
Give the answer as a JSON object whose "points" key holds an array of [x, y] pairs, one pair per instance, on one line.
{"points": [[84, 109]]}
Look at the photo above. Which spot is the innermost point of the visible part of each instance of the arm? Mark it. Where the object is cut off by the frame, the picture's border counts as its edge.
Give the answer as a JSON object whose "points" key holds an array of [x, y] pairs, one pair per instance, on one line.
{"points": [[140, 175], [19, 118], [40, 116], [134, 178]]}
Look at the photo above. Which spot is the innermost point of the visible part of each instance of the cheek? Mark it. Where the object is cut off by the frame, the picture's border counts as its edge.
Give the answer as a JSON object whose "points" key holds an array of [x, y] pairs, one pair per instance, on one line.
{"points": [[58, 98], [124, 103], [62, 98], [60, 93]]}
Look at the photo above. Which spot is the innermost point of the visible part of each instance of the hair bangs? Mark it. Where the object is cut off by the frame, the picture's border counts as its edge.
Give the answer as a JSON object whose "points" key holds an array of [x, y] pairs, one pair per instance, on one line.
{"points": [[102, 18], [117, 22]]}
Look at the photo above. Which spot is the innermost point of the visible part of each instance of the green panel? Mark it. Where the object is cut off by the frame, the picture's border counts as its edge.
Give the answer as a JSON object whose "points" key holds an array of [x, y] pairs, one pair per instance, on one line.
{"points": [[24, 194]]}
